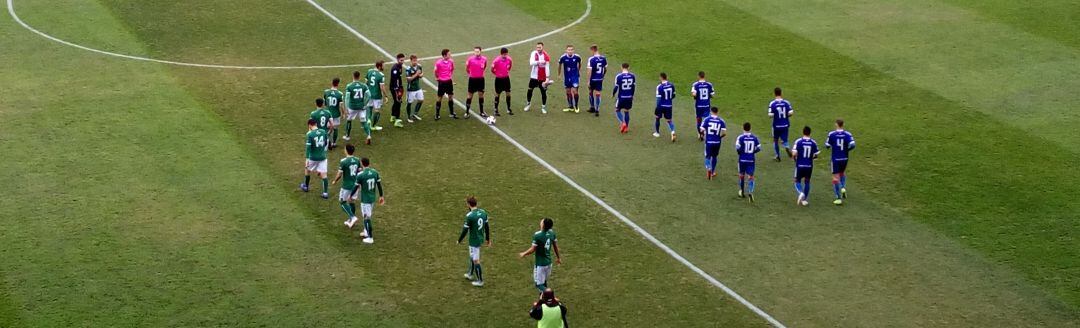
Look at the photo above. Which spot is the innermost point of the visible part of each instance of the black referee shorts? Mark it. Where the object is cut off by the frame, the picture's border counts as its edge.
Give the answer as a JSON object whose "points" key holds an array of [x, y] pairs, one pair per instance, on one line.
{"points": [[502, 84], [445, 88], [476, 84]]}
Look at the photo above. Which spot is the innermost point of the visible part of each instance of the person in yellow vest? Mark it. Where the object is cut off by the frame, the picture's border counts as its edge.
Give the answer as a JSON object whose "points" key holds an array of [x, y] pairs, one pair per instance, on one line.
{"points": [[548, 311]]}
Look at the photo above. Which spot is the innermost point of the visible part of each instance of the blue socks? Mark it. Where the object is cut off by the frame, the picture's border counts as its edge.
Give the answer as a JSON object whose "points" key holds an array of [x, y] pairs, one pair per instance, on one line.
{"points": [[712, 164], [843, 181], [751, 190], [836, 189], [656, 126], [798, 187], [671, 125], [742, 183], [776, 148], [592, 101], [619, 115]]}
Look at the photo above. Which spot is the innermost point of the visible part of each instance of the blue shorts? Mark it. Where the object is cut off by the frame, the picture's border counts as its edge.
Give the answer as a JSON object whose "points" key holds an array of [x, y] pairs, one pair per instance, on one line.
{"points": [[597, 85], [570, 82], [702, 112], [746, 168], [624, 103], [803, 173], [839, 166], [712, 150], [663, 112], [780, 133]]}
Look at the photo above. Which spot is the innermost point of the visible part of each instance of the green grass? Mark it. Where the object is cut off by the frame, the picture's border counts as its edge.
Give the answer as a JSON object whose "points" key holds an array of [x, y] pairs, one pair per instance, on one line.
{"points": [[946, 225]]}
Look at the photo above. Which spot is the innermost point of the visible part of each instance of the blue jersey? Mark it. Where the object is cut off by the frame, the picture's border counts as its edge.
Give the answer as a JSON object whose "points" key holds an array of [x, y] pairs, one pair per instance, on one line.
{"points": [[624, 85], [571, 65], [747, 145], [703, 92], [805, 150], [598, 67], [714, 127], [841, 142], [665, 94], [779, 110]]}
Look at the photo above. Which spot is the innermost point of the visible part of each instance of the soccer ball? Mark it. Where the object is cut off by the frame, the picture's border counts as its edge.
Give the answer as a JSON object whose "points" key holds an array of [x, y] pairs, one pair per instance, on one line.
{"points": [[490, 120]]}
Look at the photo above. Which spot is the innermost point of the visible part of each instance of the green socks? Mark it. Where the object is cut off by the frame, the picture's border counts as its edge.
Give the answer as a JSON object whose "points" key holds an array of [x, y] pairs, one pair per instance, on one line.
{"points": [[325, 185], [375, 118], [367, 128], [307, 180], [348, 128], [367, 226], [345, 206]]}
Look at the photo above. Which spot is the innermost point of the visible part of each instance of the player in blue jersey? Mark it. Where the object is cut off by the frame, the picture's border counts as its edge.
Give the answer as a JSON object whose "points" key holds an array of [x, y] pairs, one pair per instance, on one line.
{"points": [[747, 146], [570, 69], [780, 111], [623, 92], [597, 68], [703, 93], [804, 151], [714, 129], [665, 96], [841, 142]]}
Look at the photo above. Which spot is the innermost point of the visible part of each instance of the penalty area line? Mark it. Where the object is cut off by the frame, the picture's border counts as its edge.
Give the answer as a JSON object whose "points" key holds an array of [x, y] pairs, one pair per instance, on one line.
{"points": [[712, 280]]}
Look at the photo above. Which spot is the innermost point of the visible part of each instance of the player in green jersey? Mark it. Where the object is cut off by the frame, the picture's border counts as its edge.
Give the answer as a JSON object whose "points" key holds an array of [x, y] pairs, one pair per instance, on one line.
{"points": [[322, 116], [315, 155], [543, 244], [348, 168], [368, 181], [478, 229], [378, 93], [356, 96], [414, 93], [332, 97]]}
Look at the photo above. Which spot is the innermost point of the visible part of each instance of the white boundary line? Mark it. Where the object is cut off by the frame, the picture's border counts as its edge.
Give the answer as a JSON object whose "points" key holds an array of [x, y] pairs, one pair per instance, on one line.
{"points": [[571, 182], [11, 11]]}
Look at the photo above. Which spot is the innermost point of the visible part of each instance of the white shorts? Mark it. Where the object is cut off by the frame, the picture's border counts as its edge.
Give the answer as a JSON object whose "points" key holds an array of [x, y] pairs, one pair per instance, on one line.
{"points": [[541, 273], [354, 114], [317, 166], [336, 121], [346, 195], [375, 103], [415, 96], [365, 209], [474, 253]]}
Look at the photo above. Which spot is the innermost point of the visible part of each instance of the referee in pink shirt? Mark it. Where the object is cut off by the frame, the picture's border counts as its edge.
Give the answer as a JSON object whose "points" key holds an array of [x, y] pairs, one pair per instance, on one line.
{"points": [[475, 67], [444, 74], [501, 68]]}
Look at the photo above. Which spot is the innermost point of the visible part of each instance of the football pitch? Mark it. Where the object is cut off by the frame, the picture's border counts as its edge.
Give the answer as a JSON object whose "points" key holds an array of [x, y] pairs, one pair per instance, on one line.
{"points": [[150, 166]]}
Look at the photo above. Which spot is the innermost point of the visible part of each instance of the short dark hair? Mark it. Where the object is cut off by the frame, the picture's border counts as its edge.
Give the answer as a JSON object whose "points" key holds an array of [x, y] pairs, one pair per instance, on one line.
{"points": [[806, 130], [701, 74], [625, 65], [477, 48], [840, 122], [378, 64], [593, 47], [412, 56], [663, 75], [471, 200], [714, 110], [445, 51], [335, 82], [312, 122], [548, 223], [504, 50], [318, 102], [350, 149], [548, 297], [356, 74], [746, 126], [569, 46], [400, 56], [364, 161], [777, 91], [540, 43]]}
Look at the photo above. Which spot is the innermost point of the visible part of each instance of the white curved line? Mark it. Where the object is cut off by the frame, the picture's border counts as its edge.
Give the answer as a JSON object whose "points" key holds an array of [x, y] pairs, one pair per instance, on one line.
{"points": [[11, 11]]}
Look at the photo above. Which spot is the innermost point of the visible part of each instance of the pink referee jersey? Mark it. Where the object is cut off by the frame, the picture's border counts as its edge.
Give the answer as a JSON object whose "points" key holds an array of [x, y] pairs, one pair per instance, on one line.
{"points": [[476, 66], [501, 66], [444, 70]]}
